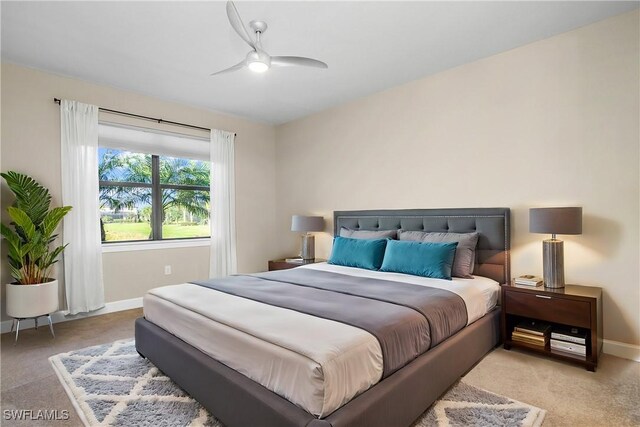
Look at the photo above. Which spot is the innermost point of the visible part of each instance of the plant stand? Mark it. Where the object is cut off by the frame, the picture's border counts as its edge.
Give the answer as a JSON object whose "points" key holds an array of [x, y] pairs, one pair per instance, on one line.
{"points": [[16, 324]]}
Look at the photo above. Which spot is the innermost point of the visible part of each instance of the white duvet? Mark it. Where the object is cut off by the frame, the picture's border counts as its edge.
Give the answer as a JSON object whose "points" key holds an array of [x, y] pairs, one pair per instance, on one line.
{"points": [[317, 364]]}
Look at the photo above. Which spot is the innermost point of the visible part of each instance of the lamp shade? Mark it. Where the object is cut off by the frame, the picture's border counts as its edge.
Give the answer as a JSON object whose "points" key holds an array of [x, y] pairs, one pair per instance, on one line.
{"points": [[307, 223], [555, 220]]}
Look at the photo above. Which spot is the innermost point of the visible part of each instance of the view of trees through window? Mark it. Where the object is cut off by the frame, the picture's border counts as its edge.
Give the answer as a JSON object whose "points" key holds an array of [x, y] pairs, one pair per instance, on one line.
{"points": [[149, 197]]}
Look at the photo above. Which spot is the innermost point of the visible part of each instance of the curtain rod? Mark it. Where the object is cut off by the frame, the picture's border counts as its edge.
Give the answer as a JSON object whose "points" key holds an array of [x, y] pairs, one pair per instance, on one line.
{"points": [[153, 119]]}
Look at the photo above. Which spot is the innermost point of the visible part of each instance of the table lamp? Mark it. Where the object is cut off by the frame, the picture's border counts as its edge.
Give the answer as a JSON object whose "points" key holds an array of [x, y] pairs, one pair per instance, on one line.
{"points": [[554, 221], [307, 224]]}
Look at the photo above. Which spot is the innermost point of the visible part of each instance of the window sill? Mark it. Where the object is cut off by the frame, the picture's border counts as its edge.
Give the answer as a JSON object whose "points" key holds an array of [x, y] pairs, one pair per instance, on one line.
{"points": [[147, 246]]}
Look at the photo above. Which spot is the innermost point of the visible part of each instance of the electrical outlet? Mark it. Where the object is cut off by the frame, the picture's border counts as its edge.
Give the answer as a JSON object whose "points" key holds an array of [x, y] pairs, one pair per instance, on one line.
{"points": [[167, 270]]}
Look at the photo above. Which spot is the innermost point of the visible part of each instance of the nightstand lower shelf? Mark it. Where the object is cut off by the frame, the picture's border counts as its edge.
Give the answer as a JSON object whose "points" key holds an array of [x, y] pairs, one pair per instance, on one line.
{"points": [[547, 351]]}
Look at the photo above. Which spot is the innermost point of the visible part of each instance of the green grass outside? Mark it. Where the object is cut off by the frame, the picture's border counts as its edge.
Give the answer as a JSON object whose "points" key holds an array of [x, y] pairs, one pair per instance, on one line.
{"points": [[174, 231], [118, 231]]}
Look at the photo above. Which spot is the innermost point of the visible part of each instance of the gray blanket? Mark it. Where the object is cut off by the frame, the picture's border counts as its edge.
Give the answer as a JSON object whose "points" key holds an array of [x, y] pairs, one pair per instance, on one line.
{"points": [[406, 319]]}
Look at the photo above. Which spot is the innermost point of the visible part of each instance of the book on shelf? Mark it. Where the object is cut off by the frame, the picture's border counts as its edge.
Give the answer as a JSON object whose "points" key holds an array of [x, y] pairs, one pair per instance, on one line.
{"points": [[569, 347], [573, 335], [528, 280], [533, 327], [525, 337], [300, 260], [526, 341], [528, 338]]}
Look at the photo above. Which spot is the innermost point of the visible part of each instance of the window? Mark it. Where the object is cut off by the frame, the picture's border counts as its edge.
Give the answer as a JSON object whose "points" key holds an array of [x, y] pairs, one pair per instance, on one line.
{"points": [[147, 196]]}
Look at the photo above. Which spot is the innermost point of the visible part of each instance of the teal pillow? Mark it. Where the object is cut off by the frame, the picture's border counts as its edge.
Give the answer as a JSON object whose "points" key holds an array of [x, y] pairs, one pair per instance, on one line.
{"points": [[359, 253], [420, 259]]}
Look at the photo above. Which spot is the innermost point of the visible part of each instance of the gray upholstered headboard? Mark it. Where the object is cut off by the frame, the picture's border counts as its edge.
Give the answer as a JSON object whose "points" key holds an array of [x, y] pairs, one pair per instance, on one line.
{"points": [[492, 224]]}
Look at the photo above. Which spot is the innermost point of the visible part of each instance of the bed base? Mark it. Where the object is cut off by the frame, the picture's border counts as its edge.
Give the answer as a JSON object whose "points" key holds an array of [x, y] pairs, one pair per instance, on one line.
{"points": [[398, 400]]}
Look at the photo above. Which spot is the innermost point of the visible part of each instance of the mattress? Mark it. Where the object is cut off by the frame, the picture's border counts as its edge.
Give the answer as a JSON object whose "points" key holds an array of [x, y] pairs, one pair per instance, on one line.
{"points": [[317, 364]]}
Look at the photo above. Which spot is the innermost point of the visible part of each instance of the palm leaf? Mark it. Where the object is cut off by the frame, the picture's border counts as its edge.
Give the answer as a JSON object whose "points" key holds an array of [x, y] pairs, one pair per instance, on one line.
{"points": [[52, 220], [31, 197], [21, 219], [52, 257], [11, 236], [16, 273], [36, 248], [16, 257]]}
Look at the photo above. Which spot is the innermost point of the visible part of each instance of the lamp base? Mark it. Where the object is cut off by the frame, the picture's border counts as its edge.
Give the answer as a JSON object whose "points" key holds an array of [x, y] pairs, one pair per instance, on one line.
{"points": [[308, 252], [553, 263]]}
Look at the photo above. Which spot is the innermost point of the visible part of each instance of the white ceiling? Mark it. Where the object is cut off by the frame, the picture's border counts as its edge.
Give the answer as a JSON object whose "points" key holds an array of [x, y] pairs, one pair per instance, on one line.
{"points": [[168, 49]]}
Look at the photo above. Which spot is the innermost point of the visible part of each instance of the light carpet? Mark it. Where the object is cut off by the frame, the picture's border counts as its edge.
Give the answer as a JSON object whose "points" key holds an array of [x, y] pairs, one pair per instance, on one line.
{"points": [[111, 385]]}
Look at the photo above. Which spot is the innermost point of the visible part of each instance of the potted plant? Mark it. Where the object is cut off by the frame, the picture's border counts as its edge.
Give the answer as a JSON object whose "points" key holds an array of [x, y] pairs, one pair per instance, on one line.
{"points": [[29, 239]]}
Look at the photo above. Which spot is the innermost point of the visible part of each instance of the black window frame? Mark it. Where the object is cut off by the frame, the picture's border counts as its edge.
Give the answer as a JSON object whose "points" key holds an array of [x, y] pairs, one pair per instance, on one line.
{"points": [[156, 201]]}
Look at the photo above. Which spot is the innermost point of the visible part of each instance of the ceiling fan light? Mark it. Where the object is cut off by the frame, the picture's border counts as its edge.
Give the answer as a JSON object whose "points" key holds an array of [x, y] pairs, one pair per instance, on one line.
{"points": [[258, 66]]}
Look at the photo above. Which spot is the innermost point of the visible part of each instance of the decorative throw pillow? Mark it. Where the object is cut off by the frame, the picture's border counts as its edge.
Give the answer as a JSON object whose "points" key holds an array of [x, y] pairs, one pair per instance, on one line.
{"points": [[368, 234], [420, 259], [465, 258], [361, 253]]}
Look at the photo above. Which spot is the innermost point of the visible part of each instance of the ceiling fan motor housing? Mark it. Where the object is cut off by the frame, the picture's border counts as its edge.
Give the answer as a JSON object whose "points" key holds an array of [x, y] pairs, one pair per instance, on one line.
{"points": [[258, 61]]}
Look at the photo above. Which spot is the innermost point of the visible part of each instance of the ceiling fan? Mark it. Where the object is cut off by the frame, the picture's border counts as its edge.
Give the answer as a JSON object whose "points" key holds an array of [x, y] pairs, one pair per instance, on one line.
{"points": [[257, 59]]}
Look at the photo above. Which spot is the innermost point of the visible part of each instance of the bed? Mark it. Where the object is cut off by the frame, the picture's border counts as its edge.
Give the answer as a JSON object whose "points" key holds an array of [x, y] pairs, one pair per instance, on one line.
{"points": [[204, 342]]}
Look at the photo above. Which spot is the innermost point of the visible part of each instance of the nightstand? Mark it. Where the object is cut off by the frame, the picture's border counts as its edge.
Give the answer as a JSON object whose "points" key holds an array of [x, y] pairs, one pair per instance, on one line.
{"points": [[282, 264], [571, 306]]}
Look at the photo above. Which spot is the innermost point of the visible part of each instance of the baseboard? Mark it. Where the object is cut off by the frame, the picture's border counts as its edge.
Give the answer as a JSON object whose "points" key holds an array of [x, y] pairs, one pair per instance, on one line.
{"points": [[58, 316], [620, 349]]}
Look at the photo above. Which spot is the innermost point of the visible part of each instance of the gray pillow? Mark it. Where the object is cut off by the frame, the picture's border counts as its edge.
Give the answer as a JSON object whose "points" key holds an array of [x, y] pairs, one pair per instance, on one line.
{"points": [[465, 257], [368, 234]]}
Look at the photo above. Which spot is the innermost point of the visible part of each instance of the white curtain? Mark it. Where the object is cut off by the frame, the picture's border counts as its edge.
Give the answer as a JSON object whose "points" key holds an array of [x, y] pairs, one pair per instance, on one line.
{"points": [[223, 205], [83, 257]]}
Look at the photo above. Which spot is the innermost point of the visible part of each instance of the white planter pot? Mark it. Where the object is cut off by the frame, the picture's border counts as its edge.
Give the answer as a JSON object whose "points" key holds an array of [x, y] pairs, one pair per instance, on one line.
{"points": [[24, 301]]}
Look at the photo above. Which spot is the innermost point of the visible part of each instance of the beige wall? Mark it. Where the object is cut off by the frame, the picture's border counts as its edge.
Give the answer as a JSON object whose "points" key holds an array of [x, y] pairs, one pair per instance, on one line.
{"points": [[31, 144], [552, 123]]}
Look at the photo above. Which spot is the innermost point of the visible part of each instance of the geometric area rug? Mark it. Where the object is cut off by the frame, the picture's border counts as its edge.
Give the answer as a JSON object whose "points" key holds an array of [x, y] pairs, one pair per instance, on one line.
{"points": [[111, 385], [465, 405]]}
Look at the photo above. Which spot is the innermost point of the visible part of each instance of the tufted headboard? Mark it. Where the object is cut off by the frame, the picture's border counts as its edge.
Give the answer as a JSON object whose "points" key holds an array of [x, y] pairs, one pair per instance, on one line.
{"points": [[492, 224]]}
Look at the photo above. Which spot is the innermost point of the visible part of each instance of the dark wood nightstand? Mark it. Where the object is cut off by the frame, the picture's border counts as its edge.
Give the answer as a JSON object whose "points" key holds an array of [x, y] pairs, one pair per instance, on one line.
{"points": [[572, 306], [282, 264]]}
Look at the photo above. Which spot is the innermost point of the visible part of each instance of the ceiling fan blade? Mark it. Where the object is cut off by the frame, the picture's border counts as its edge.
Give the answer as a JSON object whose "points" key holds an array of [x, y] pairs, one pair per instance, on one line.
{"points": [[238, 66], [238, 26], [297, 60]]}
